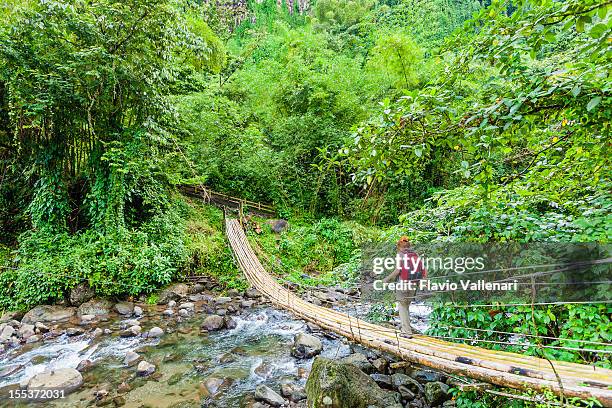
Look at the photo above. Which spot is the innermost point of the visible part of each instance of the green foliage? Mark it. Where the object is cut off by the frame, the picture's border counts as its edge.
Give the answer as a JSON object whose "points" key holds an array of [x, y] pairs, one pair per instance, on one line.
{"points": [[312, 253], [208, 251], [570, 323], [121, 263]]}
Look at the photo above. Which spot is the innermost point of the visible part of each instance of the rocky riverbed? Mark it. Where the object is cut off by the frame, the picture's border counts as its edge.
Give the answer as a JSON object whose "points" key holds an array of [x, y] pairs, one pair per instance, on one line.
{"points": [[196, 348]]}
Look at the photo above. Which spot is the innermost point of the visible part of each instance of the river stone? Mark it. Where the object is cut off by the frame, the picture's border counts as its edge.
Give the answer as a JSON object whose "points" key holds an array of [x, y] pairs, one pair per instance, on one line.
{"points": [[95, 307], [425, 376], [306, 346], [97, 333], [173, 292], [131, 358], [64, 379], [46, 314], [338, 385], [184, 312], [144, 368], [87, 319], [85, 366], [213, 322], [155, 332], [380, 365], [382, 380], [187, 305], [8, 316], [33, 339], [359, 360], [436, 392], [74, 331], [131, 332], [80, 294], [125, 308], [168, 312], [213, 385], [6, 332], [138, 311], [402, 380], [268, 395], [252, 293]]}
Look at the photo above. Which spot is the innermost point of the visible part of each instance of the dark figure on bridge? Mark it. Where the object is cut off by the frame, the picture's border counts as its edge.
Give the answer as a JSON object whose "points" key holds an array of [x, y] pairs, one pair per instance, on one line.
{"points": [[410, 269]]}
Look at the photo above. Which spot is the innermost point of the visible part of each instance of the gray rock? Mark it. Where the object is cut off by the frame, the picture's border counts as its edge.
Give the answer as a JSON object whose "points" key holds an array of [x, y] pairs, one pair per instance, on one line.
{"points": [[40, 328], [26, 330], [173, 292], [131, 358], [278, 226], [6, 333], [46, 314], [125, 308], [97, 332], [402, 380], [155, 332], [187, 305], [425, 376], [144, 369], [268, 395], [213, 386], [184, 312], [359, 360], [221, 300], [406, 393], [436, 392], [171, 304], [85, 366], [64, 379], [252, 293], [87, 319], [382, 380], [213, 322], [74, 331], [247, 304], [306, 346], [131, 332], [8, 316], [33, 339], [80, 294], [95, 307], [138, 311], [230, 322], [341, 385], [380, 365], [168, 312]]}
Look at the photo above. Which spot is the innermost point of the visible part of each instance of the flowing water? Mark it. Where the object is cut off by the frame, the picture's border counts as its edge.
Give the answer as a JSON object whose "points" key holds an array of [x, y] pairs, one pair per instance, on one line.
{"points": [[256, 351]]}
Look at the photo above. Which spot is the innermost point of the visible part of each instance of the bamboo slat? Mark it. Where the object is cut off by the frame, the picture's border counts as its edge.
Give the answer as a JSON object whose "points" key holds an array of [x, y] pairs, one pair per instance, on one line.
{"points": [[496, 367]]}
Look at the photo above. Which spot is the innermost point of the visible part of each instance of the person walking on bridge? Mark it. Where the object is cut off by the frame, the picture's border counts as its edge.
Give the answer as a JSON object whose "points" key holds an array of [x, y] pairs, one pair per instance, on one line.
{"points": [[410, 268]]}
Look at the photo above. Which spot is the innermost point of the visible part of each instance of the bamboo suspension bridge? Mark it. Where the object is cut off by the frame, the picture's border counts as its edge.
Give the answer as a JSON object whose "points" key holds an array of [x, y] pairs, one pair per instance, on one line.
{"points": [[491, 366]]}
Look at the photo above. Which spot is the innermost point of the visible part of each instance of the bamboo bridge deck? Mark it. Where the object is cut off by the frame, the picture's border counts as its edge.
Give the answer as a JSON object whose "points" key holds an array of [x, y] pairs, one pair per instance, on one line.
{"points": [[496, 367]]}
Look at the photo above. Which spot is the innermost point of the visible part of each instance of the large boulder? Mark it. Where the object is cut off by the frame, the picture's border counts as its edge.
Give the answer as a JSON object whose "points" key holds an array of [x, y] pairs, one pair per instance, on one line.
{"points": [[338, 385], [48, 314], [95, 307], [63, 379], [173, 292], [306, 346], [80, 294]]}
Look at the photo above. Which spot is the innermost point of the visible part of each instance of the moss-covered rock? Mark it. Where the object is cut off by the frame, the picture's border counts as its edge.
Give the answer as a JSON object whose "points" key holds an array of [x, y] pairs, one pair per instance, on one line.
{"points": [[334, 384]]}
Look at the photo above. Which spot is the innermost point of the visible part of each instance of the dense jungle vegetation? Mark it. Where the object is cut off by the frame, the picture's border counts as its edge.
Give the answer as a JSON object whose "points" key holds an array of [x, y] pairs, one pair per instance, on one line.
{"points": [[360, 120]]}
